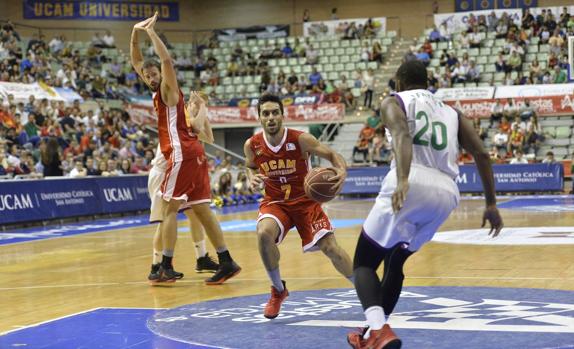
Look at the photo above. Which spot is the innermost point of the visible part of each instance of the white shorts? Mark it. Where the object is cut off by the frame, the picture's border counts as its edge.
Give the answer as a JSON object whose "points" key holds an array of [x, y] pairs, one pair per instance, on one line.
{"points": [[155, 178], [432, 196]]}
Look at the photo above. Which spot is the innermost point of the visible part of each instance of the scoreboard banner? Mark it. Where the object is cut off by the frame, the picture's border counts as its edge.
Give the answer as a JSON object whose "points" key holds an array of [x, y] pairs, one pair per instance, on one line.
{"points": [[100, 10]]}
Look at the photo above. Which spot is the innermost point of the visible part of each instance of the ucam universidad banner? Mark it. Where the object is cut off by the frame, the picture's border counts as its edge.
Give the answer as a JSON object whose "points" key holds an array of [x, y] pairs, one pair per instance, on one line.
{"points": [[100, 10], [36, 200], [507, 178]]}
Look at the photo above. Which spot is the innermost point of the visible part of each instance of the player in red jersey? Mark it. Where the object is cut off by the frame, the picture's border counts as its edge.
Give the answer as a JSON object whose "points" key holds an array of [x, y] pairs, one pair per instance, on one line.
{"points": [[186, 180], [281, 156]]}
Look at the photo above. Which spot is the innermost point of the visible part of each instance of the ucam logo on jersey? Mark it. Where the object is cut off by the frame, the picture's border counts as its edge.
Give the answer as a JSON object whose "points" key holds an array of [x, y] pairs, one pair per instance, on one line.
{"points": [[509, 236], [425, 317], [290, 146]]}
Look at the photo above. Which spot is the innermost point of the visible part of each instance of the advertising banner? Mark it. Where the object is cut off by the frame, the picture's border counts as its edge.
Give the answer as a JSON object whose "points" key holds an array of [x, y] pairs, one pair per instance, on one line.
{"points": [[457, 22], [22, 92], [544, 106], [254, 32], [508, 178], [534, 90], [329, 28], [303, 112], [462, 93], [100, 10], [34, 200]]}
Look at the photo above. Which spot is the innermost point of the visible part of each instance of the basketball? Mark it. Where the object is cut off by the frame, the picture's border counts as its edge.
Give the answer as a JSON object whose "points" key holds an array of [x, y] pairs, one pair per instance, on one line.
{"points": [[317, 184]]}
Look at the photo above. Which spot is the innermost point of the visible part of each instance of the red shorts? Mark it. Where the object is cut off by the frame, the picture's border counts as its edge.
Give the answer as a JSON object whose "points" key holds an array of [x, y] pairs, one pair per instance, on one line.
{"points": [[305, 214], [187, 181]]}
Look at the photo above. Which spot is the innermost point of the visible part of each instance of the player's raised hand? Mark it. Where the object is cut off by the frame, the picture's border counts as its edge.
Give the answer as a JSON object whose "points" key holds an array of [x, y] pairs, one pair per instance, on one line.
{"points": [[400, 195], [492, 215], [150, 25], [257, 181], [143, 24], [339, 178]]}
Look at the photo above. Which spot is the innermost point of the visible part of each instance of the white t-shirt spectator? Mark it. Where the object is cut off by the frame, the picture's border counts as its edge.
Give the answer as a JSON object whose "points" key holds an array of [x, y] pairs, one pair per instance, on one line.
{"points": [[108, 40], [501, 138]]}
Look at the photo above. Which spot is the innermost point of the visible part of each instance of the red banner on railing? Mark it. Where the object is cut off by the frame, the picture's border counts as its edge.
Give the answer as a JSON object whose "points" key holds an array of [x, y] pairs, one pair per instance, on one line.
{"points": [[543, 105], [218, 115]]}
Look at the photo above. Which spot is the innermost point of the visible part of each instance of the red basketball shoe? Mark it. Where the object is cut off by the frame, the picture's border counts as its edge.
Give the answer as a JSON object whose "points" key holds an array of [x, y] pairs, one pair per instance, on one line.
{"points": [[274, 304]]}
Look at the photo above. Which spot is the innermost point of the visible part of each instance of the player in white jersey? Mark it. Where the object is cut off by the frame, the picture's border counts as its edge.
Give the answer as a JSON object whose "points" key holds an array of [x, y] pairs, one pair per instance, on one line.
{"points": [[416, 196]]}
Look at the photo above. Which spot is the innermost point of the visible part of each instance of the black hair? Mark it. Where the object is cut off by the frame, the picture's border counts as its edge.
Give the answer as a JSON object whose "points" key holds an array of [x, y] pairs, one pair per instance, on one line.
{"points": [[149, 63], [268, 97], [412, 74]]}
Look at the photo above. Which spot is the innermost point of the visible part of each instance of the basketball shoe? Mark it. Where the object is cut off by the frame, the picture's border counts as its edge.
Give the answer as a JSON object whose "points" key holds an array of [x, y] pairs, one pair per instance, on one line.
{"points": [[384, 338], [273, 305], [226, 271], [159, 274], [206, 264]]}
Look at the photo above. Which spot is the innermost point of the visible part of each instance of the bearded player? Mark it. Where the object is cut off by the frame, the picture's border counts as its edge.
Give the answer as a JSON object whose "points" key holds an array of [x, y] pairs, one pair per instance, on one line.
{"points": [[281, 156], [186, 179]]}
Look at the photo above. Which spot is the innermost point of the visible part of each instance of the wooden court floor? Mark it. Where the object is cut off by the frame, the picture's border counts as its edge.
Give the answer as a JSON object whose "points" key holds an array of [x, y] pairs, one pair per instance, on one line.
{"points": [[46, 279]]}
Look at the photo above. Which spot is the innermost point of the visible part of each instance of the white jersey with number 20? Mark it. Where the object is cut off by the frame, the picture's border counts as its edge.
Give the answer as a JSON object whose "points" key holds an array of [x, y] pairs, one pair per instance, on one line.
{"points": [[433, 127]]}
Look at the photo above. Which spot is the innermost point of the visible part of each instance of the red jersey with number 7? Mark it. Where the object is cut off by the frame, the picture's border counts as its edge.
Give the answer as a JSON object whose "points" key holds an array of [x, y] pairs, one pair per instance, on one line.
{"points": [[285, 165]]}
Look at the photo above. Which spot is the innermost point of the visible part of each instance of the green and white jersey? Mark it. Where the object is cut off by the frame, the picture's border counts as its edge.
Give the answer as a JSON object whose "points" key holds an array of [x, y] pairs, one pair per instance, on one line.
{"points": [[433, 127]]}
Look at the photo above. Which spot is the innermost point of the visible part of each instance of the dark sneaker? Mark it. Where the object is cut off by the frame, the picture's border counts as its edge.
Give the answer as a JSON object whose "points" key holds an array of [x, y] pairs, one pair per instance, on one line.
{"points": [[225, 272], [167, 275], [154, 270], [206, 264], [273, 305]]}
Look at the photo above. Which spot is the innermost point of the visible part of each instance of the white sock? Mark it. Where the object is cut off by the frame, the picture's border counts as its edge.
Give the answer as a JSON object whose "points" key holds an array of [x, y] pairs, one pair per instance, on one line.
{"points": [[276, 279], [157, 256], [200, 250], [375, 319]]}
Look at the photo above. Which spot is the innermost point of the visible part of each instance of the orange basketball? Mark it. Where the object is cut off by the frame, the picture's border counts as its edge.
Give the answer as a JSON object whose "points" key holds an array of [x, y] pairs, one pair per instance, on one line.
{"points": [[317, 184]]}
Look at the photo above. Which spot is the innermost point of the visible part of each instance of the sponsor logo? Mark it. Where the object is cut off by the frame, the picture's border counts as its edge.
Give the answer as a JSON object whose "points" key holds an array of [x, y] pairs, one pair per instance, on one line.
{"points": [[118, 194], [290, 146], [510, 236], [9, 202]]}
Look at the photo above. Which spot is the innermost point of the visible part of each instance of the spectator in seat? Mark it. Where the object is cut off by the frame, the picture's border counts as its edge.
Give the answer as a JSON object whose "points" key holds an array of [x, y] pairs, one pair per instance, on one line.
{"points": [[518, 123], [458, 74], [492, 22], [510, 109], [495, 155], [473, 73], [315, 77], [78, 171], [516, 140], [464, 41], [368, 87], [108, 40], [527, 111], [559, 75], [515, 62], [365, 138], [475, 38], [535, 70], [519, 158], [549, 159], [527, 19], [312, 55], [377, 52], [504, 125], [480, 131], [423, 57], [287, 50], [500, 64], [496, 112], [544, 36], [434, 35], [556, 42]]}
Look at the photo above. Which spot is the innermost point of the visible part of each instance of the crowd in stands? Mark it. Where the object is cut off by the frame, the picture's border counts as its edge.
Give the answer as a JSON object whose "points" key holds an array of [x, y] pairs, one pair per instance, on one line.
{"points": [[542, 29], [93, 73]]}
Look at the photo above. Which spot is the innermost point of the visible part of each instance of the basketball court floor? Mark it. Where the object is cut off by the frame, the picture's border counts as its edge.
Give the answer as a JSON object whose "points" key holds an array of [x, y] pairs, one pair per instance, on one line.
{"points": [[84, 285]]}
